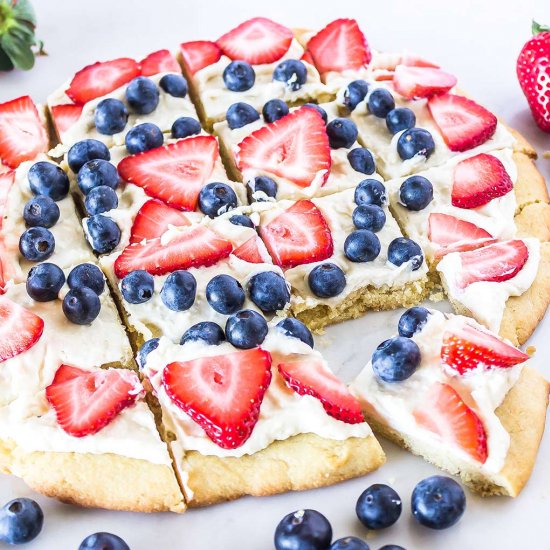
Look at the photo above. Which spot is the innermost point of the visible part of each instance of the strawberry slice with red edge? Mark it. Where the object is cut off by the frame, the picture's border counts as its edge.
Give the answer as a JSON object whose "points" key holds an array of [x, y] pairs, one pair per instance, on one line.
{"points": [[87, 401], [20, 329], [196, 246], [256, 41], [22, 134], [221, 393], [295, 147], [493, 263], [463, 123], [417, 82], [444, 413], [159, 62], [101, 78], [174, 173], [6, 181], [451, 234], [153, 220], [64, 116], [339, 46], [413, 60], [478, 180], [467, 348], [252, 251], [199, 54], [308, 377], [299, 235]]}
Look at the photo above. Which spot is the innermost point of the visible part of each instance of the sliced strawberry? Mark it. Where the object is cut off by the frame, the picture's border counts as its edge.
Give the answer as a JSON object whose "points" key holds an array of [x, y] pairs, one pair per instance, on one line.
{"points": [[86, 401], [174, 173], [159, 62], [339, 46], [494, 263], [256, 41], [221, 393], [22, 134], [412, 60], [193, 247], [451, 234], [462, 122], [64, 116], [252, 251], [468, 348], [295, 147], [308, 377], [444, 413], [101, 78], [199, 54], [20, 329], [478, 180], [153, 220], [389, 62], [299, 235], [6, 181], [415, 82]]}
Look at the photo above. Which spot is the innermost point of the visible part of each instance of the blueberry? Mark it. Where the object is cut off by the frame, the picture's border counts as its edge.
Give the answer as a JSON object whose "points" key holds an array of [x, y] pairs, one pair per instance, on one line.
{"points": [[110, 116], [174, 84], [81, 305], [41, 211], [101, 199], [400, 119], [370, 191], [349, 543], [241, 219], [185, 126], [361, 160], [326, 280], [21, 521], [412, 321], [83, 151], [362, 246], [240, 114], [143, 137], [403, 250], [208, 332], [378, 507], [438, 502], [145, 350], [274, 109], [179, 290], [341, 132], [369, 216], [296, 329], [103, 541], [137, 287], [46, 178], [415, 141], [246, 329], [396, 359], [262, 185], [103, 232], [355, 93], [225, 294], [142, 95], [292, 72], [44, 282], [380, 102], [269, 291], [37, 244], [88, 275], [95, 173], [217, 198], [239, 76], [416, 193], [319, 109], [391, 547], [303, 530]]}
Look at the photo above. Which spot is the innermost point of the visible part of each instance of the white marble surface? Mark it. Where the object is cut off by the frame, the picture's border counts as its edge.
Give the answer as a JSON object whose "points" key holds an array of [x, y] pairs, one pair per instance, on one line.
{"points": [[477, 40]]}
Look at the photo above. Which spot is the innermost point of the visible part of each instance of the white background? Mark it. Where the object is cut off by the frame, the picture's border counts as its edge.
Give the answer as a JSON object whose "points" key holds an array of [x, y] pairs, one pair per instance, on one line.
{"points": [[475, 39]]}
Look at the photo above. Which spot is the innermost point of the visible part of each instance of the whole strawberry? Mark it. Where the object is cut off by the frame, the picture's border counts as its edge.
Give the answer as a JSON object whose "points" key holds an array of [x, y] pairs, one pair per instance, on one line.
{"points": [[533, 69]]}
